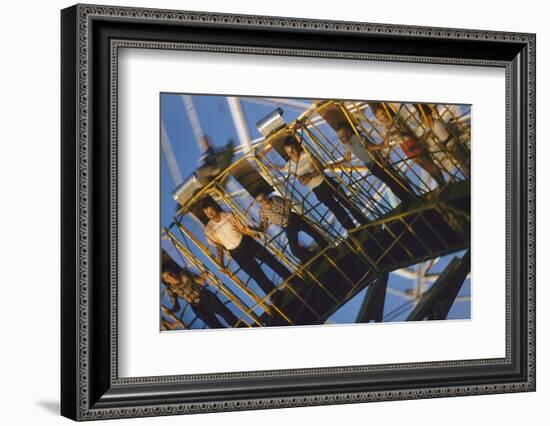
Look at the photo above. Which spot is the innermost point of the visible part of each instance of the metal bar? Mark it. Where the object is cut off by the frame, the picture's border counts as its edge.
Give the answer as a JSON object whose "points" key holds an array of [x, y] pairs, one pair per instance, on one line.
{"points": [[231, 276], [169, 155], [280, 255], [216, 282], [436, 302], [372, 307], [174, 318], [193, 118], [240, 121], [289, 103]]}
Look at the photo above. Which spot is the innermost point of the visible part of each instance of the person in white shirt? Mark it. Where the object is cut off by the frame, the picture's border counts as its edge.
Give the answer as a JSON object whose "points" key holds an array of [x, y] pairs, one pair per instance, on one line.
{"points": [[412, 147], [443, 140], [227, 233], [327, 190], [369, 153]]}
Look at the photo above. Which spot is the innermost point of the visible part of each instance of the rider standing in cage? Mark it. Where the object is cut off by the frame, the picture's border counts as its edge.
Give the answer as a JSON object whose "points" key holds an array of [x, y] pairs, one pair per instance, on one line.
{"points": [[275, 210], [408, 141], [227, 233], [191, 287], [213, 161], [444, 139], [369, 153], [327, 190]]}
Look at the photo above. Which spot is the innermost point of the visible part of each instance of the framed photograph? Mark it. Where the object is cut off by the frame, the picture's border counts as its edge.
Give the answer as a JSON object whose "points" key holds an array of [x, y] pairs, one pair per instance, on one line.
{"points": [[263, 212]]}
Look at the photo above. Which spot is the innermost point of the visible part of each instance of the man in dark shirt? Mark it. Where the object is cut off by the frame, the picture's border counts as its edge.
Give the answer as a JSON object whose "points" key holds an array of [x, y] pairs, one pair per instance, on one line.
{"points": [[191, 287], [213, 161], [275, 210]]}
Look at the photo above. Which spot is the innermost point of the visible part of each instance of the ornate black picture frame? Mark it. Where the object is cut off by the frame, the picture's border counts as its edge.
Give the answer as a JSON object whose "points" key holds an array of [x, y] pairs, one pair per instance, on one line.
{"points": [[91, 36]]}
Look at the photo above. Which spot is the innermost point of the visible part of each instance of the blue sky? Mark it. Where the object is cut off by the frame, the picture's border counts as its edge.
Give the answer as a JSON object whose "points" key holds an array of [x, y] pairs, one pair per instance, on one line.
{"points": [[216, 121]]}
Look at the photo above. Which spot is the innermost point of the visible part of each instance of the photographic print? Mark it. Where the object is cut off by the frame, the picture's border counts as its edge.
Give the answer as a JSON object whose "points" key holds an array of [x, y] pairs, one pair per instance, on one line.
{"points": [[287, 211], [243, 182]]}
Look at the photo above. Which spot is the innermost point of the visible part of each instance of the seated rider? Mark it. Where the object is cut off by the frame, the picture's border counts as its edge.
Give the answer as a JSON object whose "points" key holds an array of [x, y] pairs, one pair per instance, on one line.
{"points": [[213, 161]]}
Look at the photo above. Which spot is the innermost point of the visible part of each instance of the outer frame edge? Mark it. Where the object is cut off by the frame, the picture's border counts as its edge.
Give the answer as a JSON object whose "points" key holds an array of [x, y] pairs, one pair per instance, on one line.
{"points": [[87, 414]]}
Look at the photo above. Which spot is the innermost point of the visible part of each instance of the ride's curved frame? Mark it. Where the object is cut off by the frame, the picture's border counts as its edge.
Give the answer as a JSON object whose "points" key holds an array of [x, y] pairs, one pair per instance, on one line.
{"points": [[315, 130]]}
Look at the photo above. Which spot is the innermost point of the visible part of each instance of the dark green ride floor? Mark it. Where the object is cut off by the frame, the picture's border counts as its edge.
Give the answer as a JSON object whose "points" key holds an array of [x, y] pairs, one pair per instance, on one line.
{"points": [[407, 235]]}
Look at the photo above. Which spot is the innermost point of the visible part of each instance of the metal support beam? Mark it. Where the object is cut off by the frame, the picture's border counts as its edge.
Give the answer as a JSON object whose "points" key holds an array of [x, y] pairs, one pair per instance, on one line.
{"points": [[193, 118], [170, 158], [175, 320], [240, 121], [437, 301], [275, 102], [372, 307]]}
